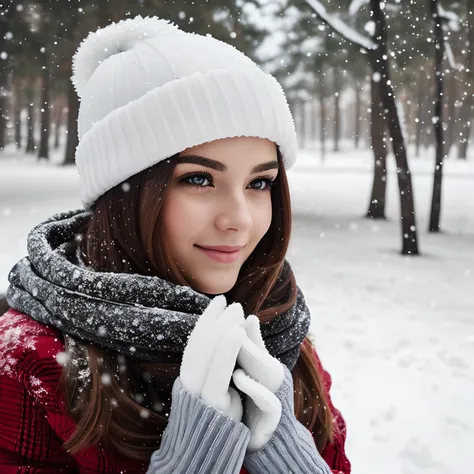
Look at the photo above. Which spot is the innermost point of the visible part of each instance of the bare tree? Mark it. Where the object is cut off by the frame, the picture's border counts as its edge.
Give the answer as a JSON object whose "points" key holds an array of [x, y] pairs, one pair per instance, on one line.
{"points": [[467, 109], [43, 152], [437, 118], [378, 127], [377, 52]]}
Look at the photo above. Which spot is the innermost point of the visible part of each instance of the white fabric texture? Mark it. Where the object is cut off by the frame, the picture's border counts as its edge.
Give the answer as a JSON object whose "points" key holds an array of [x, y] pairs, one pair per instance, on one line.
{"points": [[149, 90], [259, 378], [210, 355]]}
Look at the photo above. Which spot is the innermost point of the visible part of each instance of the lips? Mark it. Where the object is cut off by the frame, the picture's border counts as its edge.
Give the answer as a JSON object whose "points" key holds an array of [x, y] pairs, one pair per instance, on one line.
{"points": [[221, 256], [221, 248]]}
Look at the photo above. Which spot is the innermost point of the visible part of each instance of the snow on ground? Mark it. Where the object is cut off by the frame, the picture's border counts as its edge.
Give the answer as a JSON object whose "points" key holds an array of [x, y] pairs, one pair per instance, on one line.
{"points": [[396, 333]]}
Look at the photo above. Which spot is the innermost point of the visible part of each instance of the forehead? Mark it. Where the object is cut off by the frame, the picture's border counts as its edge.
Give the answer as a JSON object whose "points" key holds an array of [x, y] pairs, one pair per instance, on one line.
{"points": [[251, 149]]}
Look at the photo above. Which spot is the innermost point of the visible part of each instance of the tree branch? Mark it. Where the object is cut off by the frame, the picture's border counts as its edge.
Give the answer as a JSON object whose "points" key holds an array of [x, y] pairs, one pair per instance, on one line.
{"points": [[341, 28]]}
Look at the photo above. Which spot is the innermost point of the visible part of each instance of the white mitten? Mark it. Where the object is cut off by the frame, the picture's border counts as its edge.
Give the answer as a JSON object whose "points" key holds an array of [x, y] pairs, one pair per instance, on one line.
{"points": [[259, 377], [210, 355]]}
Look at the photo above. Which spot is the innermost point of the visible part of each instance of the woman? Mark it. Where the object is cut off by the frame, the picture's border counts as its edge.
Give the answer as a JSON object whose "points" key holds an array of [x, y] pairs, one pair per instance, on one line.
{"points": [[116, 355]]}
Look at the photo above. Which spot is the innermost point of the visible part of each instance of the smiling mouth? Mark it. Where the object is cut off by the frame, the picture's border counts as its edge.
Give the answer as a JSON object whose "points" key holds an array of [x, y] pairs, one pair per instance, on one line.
{"points": [[220, 256]]}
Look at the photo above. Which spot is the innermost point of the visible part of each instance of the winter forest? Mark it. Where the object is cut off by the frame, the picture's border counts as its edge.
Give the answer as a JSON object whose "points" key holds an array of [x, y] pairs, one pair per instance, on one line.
{"points": [[382, 95]]}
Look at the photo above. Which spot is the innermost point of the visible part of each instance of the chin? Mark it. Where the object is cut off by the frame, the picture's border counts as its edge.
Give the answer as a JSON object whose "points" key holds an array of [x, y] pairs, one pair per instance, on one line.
{"points": [[215, 286]]}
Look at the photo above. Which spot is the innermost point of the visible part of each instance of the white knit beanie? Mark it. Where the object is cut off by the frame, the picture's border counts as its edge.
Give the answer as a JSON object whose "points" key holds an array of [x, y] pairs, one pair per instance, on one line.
{"points": [[149, 90]]}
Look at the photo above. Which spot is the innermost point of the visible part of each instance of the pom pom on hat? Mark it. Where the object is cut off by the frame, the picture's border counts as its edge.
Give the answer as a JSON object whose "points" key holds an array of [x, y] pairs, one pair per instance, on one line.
{"points": [[114, 39]]}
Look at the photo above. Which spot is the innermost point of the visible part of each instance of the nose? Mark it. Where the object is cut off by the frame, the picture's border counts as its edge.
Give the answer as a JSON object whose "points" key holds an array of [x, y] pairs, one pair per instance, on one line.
{"points": [[234, 213]]}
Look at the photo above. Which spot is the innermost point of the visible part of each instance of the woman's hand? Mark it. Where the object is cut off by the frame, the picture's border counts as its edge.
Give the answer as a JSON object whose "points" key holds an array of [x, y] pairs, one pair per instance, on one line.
{"points": [[210, 356], [259, 377]]}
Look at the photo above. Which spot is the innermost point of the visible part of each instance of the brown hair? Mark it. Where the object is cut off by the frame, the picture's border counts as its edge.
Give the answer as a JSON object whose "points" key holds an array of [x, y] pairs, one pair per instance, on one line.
{"points": [[127, 414]]}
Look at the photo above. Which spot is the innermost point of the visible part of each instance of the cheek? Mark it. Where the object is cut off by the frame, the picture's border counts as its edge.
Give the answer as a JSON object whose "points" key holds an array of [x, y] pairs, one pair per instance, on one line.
{"points": [[262, 218], [182, 216]]}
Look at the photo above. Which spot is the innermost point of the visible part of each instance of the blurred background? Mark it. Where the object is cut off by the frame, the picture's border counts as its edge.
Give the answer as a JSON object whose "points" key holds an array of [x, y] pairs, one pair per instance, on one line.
{"points": [[382, 192]]}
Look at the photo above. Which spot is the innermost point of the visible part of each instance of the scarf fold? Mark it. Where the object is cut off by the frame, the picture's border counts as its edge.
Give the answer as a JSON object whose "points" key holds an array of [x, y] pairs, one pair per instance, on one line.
{"points": [[141, 316]]}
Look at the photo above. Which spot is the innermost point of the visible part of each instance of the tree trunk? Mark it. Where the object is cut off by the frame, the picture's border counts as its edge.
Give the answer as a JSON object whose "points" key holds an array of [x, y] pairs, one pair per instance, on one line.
{"points": [[72, 98], [438, 120], [8, 18], [18, 91], [467, 110], [59, 120], [357, 115], [450, 117], [420, 99], [29, 94], [379, 61], [4, 25], [322, 119], [337, 111], [103, 13], [3, 104], [377, 132], [72, 140], [45, 108]]}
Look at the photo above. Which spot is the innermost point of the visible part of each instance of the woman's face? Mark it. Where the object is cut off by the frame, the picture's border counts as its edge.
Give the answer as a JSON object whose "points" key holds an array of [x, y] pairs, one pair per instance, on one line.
{"points": [[219, 195]]}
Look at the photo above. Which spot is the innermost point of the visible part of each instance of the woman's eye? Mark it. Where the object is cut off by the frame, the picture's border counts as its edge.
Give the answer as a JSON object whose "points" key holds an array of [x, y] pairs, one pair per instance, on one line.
{"points": [[204, 180], [197, 180], [264, 184]]}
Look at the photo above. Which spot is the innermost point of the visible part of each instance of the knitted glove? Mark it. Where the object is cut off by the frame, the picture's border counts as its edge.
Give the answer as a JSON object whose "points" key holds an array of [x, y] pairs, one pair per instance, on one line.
{"points": [[210, 355], [204, 433], [259, 377], [279, 443]]}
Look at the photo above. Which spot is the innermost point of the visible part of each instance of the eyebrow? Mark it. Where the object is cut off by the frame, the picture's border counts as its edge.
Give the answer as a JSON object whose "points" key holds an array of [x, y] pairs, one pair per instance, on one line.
{"points": [[218, 166]]}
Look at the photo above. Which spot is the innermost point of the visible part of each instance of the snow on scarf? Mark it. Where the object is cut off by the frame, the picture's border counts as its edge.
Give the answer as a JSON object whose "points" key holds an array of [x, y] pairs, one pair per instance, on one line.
{"points": [[141, 316]]}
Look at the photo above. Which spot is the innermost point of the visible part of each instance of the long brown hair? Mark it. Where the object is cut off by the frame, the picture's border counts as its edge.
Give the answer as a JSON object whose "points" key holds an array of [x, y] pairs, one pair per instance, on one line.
{"points": [[127, 411]]}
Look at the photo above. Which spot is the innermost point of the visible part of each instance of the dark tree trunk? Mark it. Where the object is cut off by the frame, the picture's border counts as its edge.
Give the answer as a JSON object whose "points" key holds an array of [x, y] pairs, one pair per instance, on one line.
{"points": [[45, 109], [420, 99], [3, 105], [59, 121], [103, 13], [450, 118], [467, 110], [337, 111], [17, 112], [357, 116], [72, 140], [322, 119], [8, 14], [72, 98], [377, 132], [4, 24], [438, 121], [467, 113], [379, 61], [30, 140]]}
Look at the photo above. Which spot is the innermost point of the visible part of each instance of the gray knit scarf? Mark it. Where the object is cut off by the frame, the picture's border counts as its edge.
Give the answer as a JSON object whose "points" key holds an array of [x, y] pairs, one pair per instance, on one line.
{"points": [[145, 317]]}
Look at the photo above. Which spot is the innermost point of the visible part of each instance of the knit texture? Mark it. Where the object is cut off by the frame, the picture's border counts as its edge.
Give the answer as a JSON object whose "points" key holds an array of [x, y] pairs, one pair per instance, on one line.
{"points": [[149, 90], [291, 449], [145, 317], [34, 424], [199, 439]]}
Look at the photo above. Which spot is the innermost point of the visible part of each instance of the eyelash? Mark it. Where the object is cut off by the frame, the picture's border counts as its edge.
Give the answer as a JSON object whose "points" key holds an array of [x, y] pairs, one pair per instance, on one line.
{"points": [[269, 180]]}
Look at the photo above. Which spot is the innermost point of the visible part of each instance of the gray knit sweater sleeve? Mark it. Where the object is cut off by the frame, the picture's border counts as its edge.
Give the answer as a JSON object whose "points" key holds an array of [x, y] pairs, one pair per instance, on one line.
{"points": [[291, 449], [199, 439]]}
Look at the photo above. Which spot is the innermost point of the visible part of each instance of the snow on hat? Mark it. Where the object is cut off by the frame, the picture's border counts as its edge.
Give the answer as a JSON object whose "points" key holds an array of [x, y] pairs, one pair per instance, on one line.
{"points": [[149, 90]]}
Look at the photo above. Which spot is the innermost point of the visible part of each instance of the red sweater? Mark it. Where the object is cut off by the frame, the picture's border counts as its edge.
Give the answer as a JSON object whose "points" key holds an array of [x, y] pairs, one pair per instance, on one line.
{"points": [[33, 420]]}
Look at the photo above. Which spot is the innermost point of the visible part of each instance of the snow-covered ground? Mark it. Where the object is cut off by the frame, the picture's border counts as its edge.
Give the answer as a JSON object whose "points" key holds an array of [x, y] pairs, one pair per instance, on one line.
{"points": [[396, 333]]}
